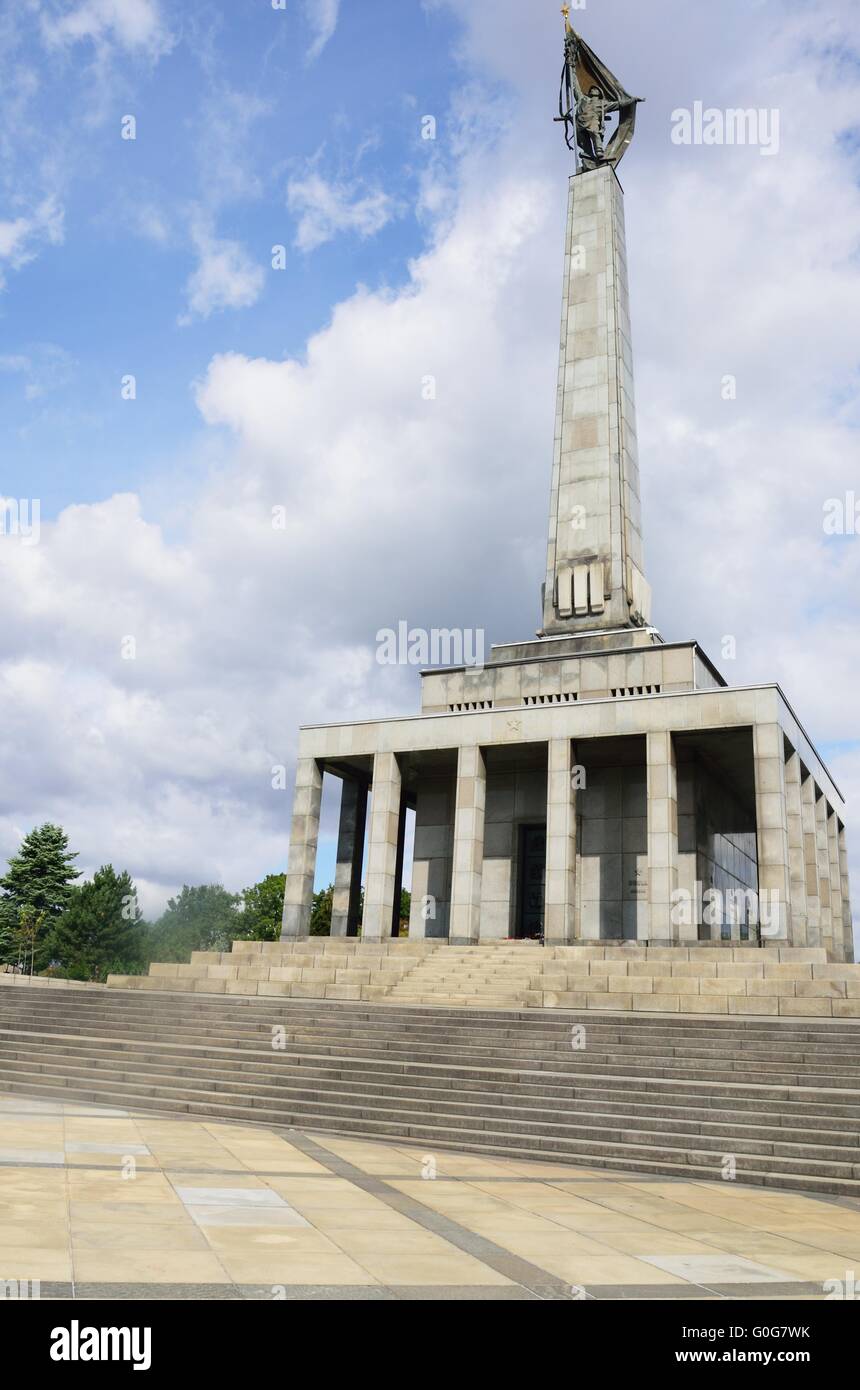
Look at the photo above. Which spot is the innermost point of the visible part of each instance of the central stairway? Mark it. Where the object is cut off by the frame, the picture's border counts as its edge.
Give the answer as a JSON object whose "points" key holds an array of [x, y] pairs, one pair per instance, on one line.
{"points": [[500, 975], [779, 1099]]}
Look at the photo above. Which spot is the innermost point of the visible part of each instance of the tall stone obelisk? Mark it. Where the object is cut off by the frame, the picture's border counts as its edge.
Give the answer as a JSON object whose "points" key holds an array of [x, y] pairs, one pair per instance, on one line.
{"points": [[594, 558]]}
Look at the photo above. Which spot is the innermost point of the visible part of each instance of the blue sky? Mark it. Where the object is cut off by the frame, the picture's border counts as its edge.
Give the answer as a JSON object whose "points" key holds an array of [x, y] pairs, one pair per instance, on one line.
{"points": [[301, 388], [236, 110]]}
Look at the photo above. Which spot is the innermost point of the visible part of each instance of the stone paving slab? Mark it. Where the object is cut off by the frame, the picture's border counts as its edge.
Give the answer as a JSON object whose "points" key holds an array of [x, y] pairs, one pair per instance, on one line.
{"points": [[143, 1207]]}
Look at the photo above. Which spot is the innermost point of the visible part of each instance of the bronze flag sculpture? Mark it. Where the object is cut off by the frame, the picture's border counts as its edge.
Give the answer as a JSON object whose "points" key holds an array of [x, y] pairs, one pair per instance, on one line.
{"points": [[589, 93]]}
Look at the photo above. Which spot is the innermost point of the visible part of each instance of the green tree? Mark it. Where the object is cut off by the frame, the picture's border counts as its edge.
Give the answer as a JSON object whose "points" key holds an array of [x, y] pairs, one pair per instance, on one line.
{"points": [[8, 931], [263, 906], [40, 876], [30, 925], [321, 911], [205, 918], [98, 931]]}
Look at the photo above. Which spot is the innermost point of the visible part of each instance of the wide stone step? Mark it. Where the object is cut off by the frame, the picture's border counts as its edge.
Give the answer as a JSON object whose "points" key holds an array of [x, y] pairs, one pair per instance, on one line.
{"points": [[678, 1066], [803, 1052], [645, 1054], [674, 1094], [796, 1159], [543, 1024], [489, 995], [580, 1085], [741, 1032], [757, 1043], [464, 984], [554, 1083], [740, 1136], [626, 1156], [194, 1006], [252, 1054]]}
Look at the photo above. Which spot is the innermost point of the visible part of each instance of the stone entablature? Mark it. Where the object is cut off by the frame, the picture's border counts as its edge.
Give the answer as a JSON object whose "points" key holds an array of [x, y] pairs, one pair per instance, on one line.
{"points": [[732, 706], [544, 672]]}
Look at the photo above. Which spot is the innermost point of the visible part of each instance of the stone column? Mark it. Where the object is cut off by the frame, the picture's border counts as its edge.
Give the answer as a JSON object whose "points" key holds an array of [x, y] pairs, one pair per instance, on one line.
{"points": [[468, 847], [810, 862], [823, 859], [346, 902], [662, 835], [796, 864], [835, 887], [398, 866], [304, 836], [432, 857], [772, 833], [560, 901], [847, 922], [379, 894]]}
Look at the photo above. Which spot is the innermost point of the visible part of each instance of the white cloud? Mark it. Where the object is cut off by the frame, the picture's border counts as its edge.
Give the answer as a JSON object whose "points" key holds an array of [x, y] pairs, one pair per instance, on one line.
{"points": [[227, 145], [150, 222], [164, 762], [21, 237], [45, 367], [322, 16], [12, 237], [225, 277], [131, 24], [326, 208]]}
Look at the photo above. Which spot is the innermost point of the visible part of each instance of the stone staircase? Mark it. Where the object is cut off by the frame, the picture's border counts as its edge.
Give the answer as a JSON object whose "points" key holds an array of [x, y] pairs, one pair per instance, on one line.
{"points": [[317, 967], [779, 1099], [500, 975], [777, 981]]}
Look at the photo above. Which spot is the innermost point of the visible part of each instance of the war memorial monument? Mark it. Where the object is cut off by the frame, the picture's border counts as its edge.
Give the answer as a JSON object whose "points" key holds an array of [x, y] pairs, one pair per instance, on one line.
{"points": [[595, 783], [629, 956]]}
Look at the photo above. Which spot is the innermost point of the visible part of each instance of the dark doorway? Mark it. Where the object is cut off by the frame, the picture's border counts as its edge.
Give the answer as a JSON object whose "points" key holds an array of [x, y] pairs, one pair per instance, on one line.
{"points": [[532, 881]]}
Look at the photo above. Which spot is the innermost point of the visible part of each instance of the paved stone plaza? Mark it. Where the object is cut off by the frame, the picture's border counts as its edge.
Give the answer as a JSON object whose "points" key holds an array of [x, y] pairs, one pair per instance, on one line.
{"points": [[229, 1212]]}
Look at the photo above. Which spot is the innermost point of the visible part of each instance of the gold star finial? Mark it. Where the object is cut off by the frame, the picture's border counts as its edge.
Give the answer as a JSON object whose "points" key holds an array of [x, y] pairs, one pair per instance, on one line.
{"points": [[565, 9]]}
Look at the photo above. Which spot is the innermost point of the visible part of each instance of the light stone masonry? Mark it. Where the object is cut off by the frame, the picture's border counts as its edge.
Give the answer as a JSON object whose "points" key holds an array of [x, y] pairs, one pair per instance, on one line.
{"points": [[468, 846], [298, 892], [662, 834], [797, 867], [560, 922], [379, 895]]}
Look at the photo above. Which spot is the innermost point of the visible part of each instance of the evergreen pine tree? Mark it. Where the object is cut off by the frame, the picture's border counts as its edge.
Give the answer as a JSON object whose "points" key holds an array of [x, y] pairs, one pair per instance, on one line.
{"points": [[97, 932], [40, 876], [8, 932]]}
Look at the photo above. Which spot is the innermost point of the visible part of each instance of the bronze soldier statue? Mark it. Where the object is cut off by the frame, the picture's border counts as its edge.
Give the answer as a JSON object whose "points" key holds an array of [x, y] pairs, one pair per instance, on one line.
{"points": [[584, 105], [591, 112]]}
